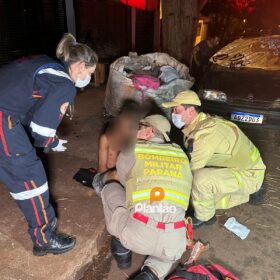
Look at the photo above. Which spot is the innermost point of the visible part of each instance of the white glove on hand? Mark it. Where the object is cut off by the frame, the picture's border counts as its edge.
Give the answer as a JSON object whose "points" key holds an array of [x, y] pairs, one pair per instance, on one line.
{"points": [[60, 147]]}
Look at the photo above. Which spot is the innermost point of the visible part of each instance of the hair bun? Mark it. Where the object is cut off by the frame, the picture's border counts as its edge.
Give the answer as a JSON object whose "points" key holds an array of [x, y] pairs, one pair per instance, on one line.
{"points": [[70, 51]]}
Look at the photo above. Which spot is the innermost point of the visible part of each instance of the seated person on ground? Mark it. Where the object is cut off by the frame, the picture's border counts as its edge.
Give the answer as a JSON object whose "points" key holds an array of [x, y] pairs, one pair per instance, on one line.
{"points": [[116, 135]]}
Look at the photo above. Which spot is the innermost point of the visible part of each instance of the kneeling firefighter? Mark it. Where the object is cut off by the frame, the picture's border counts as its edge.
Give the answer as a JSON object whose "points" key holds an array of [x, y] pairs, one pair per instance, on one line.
{"points": [[227, 167], [147, 214]]}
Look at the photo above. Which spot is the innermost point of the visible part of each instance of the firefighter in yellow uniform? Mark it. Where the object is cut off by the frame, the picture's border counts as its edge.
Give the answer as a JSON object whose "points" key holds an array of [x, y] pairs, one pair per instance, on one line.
{"points": [[147, 214], [227, 167]]}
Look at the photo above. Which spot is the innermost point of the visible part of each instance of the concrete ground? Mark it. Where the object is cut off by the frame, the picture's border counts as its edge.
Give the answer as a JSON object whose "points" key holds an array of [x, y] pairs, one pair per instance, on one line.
{"points": [[80, 213]]}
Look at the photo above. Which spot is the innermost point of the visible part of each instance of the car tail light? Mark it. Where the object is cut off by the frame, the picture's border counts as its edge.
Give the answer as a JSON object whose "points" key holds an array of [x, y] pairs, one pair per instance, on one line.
{"points": [[214, 95]]}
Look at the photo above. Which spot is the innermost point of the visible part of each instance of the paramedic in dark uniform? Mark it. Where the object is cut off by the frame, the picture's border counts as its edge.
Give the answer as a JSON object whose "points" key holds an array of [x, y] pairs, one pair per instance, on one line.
{"points": [[34, 95]]}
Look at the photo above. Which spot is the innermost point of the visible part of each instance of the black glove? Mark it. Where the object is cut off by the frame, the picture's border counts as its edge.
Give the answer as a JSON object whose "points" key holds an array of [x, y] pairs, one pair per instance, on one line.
{"points": [[85, 176]]}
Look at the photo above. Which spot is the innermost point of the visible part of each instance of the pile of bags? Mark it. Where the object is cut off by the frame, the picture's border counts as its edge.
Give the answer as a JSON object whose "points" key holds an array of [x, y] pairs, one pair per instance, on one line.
{"points": [[155, 76]]}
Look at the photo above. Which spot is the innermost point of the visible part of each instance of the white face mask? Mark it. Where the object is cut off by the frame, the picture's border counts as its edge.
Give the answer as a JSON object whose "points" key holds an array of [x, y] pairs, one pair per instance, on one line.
{"points": [[83, 83], [177, 120]]}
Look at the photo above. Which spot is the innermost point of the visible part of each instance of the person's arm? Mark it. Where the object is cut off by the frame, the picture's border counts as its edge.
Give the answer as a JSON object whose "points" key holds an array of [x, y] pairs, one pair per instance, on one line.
{"points": [[196, 55], [125, 162], [47, 113], [204, 146], [103, 153]]}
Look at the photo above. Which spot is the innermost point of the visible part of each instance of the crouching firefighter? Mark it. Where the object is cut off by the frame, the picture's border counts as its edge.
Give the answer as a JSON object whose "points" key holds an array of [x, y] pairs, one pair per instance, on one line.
{"points": [[147, 214], [34, 95], [227, 167]]}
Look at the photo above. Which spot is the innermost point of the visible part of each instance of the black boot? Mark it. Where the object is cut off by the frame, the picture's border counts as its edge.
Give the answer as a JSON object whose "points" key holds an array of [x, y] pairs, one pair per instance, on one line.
{"points": [[92, 179], [196, 223], [59, 243], [257, 198], [145, 274], [85, 176], [120, 253]]}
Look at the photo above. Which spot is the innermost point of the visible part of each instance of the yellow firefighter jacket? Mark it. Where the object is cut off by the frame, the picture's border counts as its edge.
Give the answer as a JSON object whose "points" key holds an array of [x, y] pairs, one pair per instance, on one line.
{"points": [[163, 166]]}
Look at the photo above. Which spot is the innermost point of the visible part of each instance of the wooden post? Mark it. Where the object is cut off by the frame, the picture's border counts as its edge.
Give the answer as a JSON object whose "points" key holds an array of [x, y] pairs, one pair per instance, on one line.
{"points": [[179, 25]]}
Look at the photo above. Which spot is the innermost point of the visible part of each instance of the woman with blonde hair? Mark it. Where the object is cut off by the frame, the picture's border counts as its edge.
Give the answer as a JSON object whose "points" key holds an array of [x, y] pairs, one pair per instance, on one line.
{"points": [[34, 95]]}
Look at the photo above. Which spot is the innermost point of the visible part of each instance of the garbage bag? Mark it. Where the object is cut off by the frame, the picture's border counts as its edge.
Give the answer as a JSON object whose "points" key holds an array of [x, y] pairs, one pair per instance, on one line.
{"points": [[120, 86]]}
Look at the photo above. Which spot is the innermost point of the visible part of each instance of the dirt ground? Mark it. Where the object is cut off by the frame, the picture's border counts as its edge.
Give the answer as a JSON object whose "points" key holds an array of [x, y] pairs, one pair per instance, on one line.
{"points": [[80, 213]]}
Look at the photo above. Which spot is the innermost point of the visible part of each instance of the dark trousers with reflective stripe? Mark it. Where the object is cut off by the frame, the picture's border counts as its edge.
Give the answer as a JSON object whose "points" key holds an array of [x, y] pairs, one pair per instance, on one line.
{"points": [[24, 175]]}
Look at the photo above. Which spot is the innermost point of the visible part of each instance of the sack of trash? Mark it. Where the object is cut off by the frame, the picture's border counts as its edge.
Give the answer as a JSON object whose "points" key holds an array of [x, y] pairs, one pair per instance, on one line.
{"points": [[168, 74], [156, 76]]}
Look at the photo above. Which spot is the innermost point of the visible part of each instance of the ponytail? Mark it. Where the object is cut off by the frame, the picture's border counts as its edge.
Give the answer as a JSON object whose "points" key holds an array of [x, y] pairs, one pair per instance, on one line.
{"points": [[69, 51]]}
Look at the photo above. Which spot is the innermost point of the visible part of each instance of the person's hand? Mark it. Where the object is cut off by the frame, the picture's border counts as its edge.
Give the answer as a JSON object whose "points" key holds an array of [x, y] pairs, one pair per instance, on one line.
{"points": [[60, 147]]}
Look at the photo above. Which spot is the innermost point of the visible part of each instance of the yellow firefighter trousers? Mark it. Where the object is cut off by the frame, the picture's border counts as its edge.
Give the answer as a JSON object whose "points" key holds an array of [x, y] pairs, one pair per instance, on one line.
{"points": [[164, 247], [222, 188]]}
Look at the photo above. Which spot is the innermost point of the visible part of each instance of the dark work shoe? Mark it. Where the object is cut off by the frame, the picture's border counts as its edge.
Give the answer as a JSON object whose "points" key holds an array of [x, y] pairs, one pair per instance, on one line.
{"points": [[85, 176], [145, 274], [120, 253], [59, 243], [196, 223], [257, 198]]}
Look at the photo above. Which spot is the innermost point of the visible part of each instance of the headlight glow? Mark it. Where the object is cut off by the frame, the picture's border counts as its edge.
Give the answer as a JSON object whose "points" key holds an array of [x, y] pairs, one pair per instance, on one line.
{"points": [[214, 95]]}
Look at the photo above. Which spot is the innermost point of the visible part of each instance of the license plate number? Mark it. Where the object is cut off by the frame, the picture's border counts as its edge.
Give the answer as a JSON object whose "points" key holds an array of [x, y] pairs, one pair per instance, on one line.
{"points": [[246, 117]]}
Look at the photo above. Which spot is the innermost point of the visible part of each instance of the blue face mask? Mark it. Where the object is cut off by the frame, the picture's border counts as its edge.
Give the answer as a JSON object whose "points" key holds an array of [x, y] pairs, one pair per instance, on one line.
{"points": [[177, 121], [83, 83]]}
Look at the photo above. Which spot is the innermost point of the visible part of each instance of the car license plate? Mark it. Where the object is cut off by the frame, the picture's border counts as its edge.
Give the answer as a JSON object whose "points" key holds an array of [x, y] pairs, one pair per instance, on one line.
{"points": [[246, 117]]}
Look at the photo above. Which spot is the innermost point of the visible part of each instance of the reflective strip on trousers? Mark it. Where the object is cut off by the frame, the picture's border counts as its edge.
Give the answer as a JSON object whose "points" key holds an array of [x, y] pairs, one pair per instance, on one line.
{"points": [[168, 194], [162, 152], [42, 130], [224, 202], [30, 193]]}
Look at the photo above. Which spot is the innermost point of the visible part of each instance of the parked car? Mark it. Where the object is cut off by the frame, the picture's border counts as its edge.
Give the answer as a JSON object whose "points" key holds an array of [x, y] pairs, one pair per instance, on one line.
{"points": [[243, 82]]}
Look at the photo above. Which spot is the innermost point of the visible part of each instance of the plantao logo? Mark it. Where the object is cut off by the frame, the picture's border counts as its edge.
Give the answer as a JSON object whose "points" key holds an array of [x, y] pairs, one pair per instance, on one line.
{"points": [[157, 194]]}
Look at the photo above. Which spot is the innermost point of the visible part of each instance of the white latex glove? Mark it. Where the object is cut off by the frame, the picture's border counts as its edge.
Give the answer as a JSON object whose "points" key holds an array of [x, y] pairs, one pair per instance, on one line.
{"points": [[60, 147]]}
